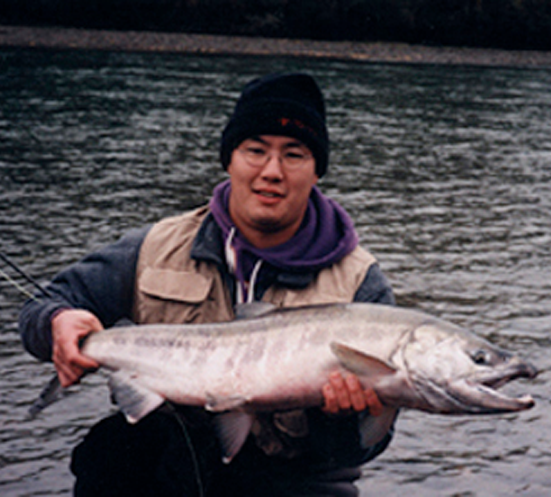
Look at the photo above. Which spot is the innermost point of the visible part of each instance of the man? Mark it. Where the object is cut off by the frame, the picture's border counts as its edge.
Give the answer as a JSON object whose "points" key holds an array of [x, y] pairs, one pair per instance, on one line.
{"points": [[267, 234]]}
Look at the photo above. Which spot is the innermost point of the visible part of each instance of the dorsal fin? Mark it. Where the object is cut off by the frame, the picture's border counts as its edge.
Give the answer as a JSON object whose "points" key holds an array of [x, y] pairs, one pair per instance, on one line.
{"points": [[253, 310]]}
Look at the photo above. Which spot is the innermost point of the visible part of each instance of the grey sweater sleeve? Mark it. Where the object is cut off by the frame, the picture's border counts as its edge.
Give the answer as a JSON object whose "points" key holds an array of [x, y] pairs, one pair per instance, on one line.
{"points": [[375, 288], [102, 283]]}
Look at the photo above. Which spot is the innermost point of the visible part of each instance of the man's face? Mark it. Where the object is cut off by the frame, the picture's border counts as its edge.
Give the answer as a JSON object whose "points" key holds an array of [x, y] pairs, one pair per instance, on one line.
{"points": [[271, 179]]}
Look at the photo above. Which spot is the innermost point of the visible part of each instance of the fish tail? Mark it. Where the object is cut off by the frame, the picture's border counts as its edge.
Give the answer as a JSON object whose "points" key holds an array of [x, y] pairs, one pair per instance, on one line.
{"points": [[50, 394]]}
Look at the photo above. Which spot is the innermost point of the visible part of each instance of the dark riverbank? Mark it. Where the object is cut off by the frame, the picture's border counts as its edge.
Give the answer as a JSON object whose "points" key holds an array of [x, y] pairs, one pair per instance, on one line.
{"points": [[502, 24], [146, 41]]}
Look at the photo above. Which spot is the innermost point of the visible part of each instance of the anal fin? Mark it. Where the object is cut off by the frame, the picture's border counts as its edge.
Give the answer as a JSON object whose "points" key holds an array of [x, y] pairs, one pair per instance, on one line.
{"points": [[233, 429]]}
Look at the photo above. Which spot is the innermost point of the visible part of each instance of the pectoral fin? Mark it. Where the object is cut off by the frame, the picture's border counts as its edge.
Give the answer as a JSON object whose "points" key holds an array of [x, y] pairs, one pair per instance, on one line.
{"points": [[232, 429], [134, 400], [359, 363]]}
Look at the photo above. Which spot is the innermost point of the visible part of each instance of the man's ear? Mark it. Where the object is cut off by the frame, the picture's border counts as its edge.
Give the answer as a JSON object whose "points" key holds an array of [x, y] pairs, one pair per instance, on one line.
{"points": [[229, 168]]}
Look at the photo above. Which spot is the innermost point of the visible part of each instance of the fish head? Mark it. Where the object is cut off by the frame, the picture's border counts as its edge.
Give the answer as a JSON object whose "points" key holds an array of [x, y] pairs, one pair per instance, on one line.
{"points": [[456, 372]]}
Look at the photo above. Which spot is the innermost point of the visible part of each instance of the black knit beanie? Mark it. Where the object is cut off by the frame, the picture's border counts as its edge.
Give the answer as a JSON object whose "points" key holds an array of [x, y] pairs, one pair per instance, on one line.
{"points": [[284, 105]]}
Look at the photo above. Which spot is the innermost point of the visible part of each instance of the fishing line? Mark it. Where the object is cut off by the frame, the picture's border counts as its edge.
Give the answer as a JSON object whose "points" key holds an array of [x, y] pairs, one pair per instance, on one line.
{"points": [[195, 461], [14, 283], [24, 275], [43, 401]]}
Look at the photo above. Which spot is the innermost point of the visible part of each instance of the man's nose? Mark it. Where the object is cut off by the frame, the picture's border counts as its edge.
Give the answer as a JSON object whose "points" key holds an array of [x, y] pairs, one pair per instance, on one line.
{"points": [[274, 166]]}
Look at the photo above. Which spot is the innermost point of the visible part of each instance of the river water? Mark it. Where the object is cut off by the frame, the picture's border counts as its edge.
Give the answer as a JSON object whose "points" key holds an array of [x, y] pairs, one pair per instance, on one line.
{"points": [[446, 171]]}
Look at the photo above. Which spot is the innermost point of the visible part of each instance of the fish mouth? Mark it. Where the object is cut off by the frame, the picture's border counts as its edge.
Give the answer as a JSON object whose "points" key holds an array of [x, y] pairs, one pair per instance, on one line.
{"points": [[479, 394], [496, 379]]}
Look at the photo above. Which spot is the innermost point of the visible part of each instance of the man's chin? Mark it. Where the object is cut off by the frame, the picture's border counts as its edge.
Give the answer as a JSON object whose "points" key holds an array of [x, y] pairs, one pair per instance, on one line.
{"points": [[268, 225]]}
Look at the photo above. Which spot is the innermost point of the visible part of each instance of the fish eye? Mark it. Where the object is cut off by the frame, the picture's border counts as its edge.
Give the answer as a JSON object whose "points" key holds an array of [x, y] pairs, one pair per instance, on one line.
{"points": [[481, 357]]}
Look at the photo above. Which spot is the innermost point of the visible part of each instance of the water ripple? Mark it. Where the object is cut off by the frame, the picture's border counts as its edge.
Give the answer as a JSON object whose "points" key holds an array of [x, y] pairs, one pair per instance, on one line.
{"points": [[445, 171]]}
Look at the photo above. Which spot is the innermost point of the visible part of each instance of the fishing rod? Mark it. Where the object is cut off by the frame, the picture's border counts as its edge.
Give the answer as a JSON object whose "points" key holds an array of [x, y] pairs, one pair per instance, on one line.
{"points": [[27, 277]]}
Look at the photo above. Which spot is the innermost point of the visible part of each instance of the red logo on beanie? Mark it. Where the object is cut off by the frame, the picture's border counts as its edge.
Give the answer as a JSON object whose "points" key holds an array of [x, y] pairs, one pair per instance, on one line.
{"points": [[285, 121]]}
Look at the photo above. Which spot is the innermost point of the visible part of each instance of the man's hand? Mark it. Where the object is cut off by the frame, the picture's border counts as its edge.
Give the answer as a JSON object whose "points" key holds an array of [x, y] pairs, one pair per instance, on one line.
{"points": [[68, 328], [346, 394]]}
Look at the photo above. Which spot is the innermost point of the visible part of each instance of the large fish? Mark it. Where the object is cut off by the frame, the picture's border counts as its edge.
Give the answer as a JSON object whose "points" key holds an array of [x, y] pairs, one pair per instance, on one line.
{"points": [[280, 360]]}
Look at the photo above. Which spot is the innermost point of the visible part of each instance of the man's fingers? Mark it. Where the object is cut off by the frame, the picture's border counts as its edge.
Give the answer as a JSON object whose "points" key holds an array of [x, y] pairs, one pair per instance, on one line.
{"points": [[65, 372], [67, 375], [373, 403], [346, 394], [69, 327], [341, 391], [331, 405], [356, 393], [84, 363]]}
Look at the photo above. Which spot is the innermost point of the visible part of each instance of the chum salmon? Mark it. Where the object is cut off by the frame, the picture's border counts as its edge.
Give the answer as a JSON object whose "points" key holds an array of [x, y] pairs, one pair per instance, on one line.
{"points": [[279, 359]]}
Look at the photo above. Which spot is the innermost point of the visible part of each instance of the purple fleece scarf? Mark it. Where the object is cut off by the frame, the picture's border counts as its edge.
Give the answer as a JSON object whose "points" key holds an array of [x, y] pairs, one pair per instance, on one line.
{"points": [[325, 236]]}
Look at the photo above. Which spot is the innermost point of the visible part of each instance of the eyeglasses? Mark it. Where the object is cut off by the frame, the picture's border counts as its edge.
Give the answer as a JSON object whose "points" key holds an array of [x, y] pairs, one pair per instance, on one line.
{"points": [[291, 159]]}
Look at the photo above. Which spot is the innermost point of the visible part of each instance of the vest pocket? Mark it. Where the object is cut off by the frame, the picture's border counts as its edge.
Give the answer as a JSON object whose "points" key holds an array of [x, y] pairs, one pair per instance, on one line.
{"points": [[180, 286]]}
